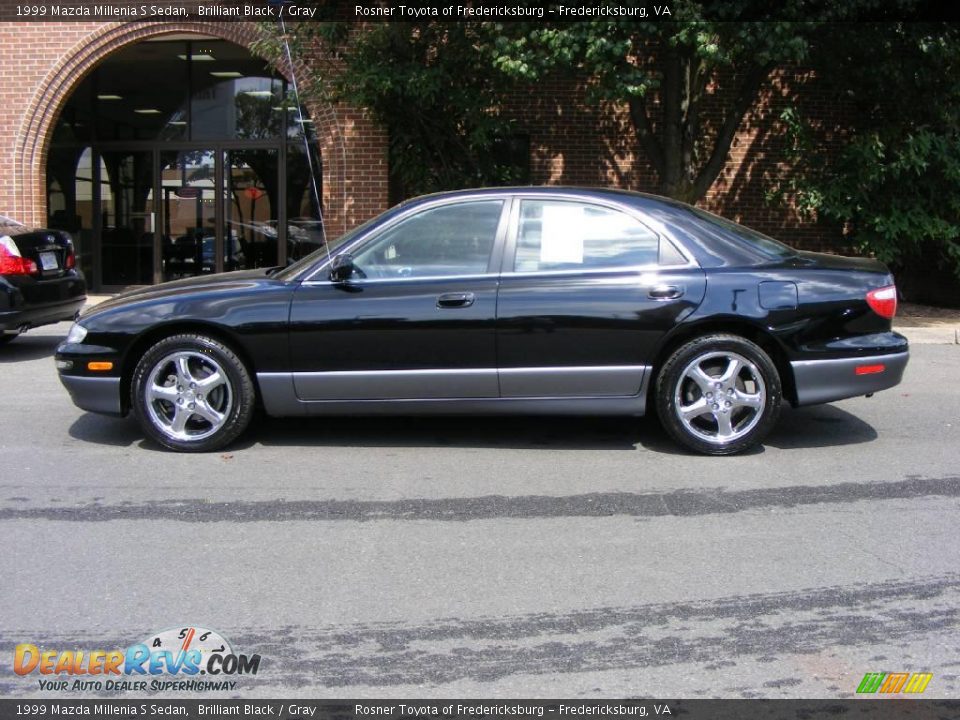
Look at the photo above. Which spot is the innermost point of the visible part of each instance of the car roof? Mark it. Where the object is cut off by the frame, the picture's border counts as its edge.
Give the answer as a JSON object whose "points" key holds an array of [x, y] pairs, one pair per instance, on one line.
{"points": [[711, 245], [594, 192]]}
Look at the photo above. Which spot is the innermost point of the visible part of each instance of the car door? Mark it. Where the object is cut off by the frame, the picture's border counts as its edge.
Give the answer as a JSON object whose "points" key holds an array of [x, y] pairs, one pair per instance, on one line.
{"points": [[417, 319], [587, 291]]}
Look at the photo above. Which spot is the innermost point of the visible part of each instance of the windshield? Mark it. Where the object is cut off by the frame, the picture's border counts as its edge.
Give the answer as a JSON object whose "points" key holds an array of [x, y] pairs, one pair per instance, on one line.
{"points": [[331, 248], [757, 240]]}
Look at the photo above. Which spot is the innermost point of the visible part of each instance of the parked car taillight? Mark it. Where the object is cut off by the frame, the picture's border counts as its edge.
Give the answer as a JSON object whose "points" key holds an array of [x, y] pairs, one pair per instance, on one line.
{"points": [[883, 301], [11, 263], [71, 261]]}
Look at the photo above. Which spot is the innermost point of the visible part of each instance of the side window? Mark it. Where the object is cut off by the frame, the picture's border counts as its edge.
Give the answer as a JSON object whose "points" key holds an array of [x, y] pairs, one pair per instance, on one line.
{"points": [[561, 235], [448, 240]]}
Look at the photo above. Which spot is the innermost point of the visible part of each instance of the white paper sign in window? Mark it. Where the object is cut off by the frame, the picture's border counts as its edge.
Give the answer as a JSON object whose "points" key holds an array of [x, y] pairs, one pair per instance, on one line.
{"points": [[563, 229]]}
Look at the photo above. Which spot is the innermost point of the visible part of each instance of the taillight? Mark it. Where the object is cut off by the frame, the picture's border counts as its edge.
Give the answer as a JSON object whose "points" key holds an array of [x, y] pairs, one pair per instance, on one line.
{"points": [[883, 301], [11, 263], [71, 262]]}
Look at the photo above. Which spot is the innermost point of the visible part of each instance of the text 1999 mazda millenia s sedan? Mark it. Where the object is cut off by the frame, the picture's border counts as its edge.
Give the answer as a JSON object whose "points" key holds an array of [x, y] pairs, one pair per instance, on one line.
{"points": [[523, 300]]}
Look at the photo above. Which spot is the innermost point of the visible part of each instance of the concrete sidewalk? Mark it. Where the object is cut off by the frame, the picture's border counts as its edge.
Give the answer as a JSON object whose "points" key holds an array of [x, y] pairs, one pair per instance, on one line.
{"points": [[920, 329]]}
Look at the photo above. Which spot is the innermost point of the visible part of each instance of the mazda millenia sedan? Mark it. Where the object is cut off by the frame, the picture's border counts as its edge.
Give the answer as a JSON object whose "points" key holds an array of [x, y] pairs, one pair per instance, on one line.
{"points": [[39, 280], [523, 300]]}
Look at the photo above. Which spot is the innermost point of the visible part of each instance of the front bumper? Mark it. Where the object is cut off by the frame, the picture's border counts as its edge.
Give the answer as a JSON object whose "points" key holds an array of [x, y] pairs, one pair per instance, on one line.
{"points": [[821, 381], [94, 394]]}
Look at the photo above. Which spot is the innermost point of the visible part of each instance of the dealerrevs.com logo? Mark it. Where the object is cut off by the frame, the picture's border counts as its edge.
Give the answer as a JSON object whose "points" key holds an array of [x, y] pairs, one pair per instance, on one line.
{"points": [[168, 660], [893, 683]]}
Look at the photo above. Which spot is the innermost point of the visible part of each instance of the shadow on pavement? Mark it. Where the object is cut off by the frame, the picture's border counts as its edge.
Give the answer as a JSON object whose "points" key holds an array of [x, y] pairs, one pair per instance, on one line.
{"points": [[30, 347], [105, 430], [819, 426], [822, 426], [516, 432]]}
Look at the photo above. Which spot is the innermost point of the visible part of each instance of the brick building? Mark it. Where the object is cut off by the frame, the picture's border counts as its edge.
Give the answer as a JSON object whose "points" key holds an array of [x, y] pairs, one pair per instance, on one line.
{"points": [[126, 134]]}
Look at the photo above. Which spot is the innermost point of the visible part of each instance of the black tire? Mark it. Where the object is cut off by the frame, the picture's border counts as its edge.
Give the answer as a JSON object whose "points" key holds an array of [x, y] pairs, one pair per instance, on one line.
{"points": [[210, 365], [724, 415]]}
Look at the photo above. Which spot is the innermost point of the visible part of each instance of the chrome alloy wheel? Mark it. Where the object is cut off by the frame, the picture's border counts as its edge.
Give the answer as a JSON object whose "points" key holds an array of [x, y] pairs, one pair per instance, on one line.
{"points": [[188, 396], [720, 397]]}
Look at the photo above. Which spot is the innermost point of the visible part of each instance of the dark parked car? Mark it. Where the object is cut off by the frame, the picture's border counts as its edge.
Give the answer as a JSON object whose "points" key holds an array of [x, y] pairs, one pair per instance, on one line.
{"points": [[39, 280], [522, 300]]}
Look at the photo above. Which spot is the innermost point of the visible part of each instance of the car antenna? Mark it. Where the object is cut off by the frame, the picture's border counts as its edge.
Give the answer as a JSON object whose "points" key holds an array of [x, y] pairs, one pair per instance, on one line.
{"points": [[305, 132]]}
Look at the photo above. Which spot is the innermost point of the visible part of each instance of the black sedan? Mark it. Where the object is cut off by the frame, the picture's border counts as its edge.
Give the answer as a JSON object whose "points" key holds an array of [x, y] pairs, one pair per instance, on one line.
{"points": [[523, 300], [39, 280]]}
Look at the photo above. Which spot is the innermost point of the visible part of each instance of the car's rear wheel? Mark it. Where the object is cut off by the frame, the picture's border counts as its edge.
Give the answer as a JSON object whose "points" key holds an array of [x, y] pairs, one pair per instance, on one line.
{"points": [[192, 393], [719, 394]]}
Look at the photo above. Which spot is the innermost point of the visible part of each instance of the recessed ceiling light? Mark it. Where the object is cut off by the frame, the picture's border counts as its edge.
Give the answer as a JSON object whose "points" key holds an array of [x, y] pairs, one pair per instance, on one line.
{"points": [[197, 57], [281, 109], [177, 122], [258, 93], [227, 74], [147, 111], [109, 97]]}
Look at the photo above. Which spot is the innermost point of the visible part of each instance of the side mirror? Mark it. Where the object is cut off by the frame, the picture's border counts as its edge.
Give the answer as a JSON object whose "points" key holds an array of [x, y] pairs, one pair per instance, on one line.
{"points": [[342, 267]]}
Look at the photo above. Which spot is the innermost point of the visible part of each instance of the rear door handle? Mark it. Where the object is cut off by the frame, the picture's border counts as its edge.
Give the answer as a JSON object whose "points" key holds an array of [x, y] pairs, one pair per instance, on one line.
{"points": [[665, 292], [456, 300]]}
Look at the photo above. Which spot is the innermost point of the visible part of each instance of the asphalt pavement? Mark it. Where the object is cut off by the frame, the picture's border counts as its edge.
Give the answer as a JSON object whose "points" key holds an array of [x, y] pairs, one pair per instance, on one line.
{"points": [[494, 557]]}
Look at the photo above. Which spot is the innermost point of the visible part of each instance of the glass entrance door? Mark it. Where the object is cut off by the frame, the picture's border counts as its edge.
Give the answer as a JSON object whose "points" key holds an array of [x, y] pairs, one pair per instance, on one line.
{"points": [[251, 193], [126, 218], [188, 235]]}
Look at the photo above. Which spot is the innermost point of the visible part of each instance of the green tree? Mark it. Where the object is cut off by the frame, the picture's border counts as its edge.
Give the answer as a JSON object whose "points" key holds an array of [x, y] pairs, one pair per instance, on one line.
{"points": [[894, 179], [439, 87], [434, 86], [663, 71]]}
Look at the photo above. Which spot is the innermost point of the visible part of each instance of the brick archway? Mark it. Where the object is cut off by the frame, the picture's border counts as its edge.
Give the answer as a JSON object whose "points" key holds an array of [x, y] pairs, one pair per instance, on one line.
{"points": [[36, 129]]}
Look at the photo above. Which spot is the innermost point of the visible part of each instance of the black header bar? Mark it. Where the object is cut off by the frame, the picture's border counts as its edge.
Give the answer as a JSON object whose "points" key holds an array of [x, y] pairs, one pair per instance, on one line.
{"points": [[292, 11], [406, 709]]}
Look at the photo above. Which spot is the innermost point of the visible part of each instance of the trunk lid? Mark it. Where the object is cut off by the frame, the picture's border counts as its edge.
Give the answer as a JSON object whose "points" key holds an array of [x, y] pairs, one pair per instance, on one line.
{"points": [[51, 250]]}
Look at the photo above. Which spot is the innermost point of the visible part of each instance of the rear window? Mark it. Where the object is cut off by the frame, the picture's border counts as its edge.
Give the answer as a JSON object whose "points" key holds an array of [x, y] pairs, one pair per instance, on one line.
{"points": [[747, 236]]}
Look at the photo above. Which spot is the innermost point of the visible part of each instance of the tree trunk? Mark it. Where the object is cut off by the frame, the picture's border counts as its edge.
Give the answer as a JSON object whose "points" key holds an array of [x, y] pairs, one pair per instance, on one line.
{"points": [[672, 147]]}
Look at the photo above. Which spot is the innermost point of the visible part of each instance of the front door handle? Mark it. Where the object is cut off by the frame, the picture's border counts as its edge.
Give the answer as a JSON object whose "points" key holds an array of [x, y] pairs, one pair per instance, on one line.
{"points": [[456, 300], [665, 292]]}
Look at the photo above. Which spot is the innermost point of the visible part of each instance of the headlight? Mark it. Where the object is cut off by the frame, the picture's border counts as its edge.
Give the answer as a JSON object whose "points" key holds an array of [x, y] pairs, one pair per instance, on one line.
{"points": [[77, 333]]}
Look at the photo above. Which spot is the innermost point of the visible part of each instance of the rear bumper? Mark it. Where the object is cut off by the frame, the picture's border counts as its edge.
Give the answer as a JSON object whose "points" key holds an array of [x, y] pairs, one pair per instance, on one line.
{"points": [[23, 318], [821, 381], [94, 394]]}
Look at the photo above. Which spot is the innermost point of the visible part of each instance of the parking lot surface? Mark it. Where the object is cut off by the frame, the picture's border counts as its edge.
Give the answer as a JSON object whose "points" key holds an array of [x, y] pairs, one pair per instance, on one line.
{"points": [[556, 557]]}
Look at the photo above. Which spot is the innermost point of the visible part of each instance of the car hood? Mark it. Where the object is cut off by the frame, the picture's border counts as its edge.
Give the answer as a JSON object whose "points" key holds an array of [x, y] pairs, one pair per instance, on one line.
{"points": [[187, 286]]}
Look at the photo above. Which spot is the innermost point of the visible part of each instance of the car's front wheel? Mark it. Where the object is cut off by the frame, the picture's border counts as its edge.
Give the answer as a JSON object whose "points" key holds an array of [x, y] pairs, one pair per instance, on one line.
{"points": [[719, 394], [192, 393]]}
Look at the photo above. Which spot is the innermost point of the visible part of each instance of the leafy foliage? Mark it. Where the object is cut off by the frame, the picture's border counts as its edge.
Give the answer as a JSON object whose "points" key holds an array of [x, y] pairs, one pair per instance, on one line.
{"points": [[664, 71], [894, 182], [437, 90], [439, 87]]}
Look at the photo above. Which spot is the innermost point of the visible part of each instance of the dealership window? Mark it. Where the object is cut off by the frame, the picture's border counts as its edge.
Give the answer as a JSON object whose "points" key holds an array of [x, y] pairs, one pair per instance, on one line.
{"points": [[182, 157]]}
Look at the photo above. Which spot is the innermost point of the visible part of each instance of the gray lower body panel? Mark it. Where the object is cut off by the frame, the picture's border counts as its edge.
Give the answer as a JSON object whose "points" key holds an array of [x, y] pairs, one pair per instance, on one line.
{"points": [[572, 382], [820, 381], [396, 384], [281, 394], [94, 394]]}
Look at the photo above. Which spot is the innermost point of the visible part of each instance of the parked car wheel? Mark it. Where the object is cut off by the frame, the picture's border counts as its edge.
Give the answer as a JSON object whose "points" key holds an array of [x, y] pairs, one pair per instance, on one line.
{"points": [[719, 394], [192, 393]]}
